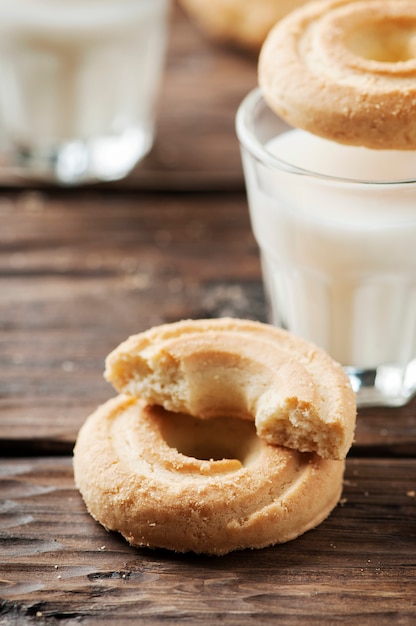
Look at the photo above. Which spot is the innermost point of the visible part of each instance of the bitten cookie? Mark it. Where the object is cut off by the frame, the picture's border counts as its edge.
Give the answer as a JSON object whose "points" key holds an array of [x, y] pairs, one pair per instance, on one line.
{"points": [[295, 393], [188, 457]]}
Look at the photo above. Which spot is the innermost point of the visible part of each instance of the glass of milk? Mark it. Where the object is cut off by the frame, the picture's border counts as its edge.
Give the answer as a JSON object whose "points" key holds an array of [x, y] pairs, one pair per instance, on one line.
{"points": [[336, 229], [79, 81]]}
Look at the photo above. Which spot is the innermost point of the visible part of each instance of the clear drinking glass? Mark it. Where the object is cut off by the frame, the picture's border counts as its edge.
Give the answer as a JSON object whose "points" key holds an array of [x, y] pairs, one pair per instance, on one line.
{"points": [[336, 229], [79, 79]]}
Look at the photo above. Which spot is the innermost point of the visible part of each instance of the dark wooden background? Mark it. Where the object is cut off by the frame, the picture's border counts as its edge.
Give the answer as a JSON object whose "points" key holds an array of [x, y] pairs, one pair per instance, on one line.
{"points": [[82, 269]]}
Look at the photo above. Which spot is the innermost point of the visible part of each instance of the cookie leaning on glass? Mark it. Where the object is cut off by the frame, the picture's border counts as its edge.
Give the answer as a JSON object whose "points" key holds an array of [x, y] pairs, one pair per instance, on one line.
{"points": [[345, 70], [182, 458]]}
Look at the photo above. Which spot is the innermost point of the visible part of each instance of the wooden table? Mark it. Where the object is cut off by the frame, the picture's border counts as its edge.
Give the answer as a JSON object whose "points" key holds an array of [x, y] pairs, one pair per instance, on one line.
{"points": [[82, 269]]}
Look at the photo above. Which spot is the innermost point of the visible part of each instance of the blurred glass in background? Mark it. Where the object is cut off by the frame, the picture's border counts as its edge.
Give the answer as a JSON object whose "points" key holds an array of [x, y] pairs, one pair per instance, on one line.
{"points": [[78, 85]]}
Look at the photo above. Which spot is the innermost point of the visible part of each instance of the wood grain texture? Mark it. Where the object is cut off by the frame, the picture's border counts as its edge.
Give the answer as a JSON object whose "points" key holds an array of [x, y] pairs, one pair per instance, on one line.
{"points": [[57, 563], [82, 269], [80, 272]]}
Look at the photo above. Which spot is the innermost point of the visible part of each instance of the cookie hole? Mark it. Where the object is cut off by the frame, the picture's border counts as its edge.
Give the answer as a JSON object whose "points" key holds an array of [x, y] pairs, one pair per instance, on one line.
{"points": [[213, 439], [391, 42]]}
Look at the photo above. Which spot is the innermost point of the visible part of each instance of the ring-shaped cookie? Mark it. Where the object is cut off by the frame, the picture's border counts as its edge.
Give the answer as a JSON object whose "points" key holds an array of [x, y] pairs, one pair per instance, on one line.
{"points": [[345, 70], [138, 470], [296, 394], [244, 23]]}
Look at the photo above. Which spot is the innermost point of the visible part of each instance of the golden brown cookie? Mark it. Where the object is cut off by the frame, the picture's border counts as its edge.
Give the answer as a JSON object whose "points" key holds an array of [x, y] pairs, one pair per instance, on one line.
{"points": [[209, 486], [345, 70], [241, 22], [296, 394]]}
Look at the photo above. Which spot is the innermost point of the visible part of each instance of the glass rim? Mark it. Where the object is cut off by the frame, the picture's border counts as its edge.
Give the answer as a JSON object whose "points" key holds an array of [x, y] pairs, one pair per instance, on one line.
{"points": [[248, 140]]}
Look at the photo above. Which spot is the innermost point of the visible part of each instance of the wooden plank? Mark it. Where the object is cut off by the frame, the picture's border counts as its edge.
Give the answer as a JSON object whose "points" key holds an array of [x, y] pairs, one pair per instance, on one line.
{"points": [[80, 272], [195, 145], [56, 562], [386, 431]]}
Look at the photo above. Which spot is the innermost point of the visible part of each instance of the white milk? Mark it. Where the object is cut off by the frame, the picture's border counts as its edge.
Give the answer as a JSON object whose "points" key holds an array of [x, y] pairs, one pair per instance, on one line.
{"points": [[339, 257], [79, 70]]}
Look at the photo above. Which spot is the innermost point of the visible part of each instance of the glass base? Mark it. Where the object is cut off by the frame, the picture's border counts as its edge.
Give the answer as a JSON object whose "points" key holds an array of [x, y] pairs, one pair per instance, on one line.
{"points": [[82, 161], [386, 385]]}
